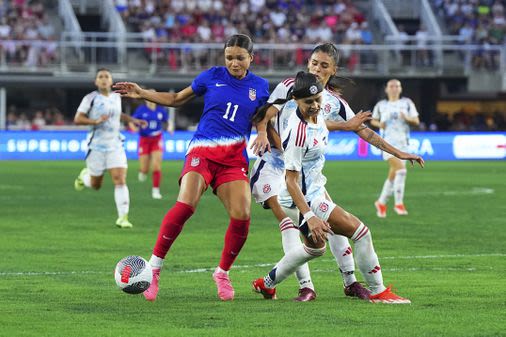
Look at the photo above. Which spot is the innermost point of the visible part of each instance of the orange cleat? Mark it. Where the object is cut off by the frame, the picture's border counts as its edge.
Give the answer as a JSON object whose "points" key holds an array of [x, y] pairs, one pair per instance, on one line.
{"points": [[381, 209], [259, 287], [400, 209], [387, 296]]}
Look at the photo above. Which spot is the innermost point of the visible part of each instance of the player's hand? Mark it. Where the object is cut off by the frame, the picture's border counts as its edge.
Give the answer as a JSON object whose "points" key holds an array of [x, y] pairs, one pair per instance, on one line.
{"points": [[355, 123], [140, 122], [261, 144], [128, 89], [412, 158], [318, 229], [101, 119]]}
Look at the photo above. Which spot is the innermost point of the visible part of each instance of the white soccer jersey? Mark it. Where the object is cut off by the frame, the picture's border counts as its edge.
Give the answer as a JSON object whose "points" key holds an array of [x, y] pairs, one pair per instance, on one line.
{"points": [[396, 130], [304, 151], [105, 136], [333, 108]]}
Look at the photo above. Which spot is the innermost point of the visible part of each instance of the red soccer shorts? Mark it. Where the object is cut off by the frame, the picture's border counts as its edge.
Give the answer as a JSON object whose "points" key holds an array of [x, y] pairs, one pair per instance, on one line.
{"points": [[214, 173], [147, 145]]}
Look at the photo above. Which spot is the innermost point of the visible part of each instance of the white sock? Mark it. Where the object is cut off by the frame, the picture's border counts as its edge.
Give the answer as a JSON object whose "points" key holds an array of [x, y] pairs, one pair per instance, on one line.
{"points": [[399, 183], [142, 176], [386, 192], [87, 180], [156, 262], [122, 199], [155, 190], [290, 238], [367, 260], [290, 262], [342, 251], [219, 270]]}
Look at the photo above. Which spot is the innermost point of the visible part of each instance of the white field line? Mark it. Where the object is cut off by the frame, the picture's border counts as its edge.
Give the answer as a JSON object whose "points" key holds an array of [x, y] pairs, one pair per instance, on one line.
{"points": [[206, 270]]}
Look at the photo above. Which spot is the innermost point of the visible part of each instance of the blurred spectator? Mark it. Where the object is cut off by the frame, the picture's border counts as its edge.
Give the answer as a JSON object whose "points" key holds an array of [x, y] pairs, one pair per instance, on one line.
{"points": [[422, 51]]}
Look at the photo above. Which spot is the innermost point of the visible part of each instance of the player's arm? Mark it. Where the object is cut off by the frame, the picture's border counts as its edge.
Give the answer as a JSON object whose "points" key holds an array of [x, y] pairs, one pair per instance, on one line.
{"points": [[413, 121], [317, 227], [354, 124], [374, 139], [375, 121], [81, 118], [261, 120], [131, 120], [172, 99]]}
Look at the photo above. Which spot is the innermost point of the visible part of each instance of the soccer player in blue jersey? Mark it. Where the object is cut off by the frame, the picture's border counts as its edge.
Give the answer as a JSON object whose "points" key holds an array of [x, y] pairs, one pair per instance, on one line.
{"points": [[151, 142], [216, 156]]}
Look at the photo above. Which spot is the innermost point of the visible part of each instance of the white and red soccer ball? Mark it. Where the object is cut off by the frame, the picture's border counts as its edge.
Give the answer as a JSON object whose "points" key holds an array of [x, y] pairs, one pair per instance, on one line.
{"points": [[133, 274]]}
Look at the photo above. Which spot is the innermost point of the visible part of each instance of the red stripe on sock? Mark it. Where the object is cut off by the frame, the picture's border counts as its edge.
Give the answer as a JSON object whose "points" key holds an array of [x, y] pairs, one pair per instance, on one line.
{"points": [[362, 234]]}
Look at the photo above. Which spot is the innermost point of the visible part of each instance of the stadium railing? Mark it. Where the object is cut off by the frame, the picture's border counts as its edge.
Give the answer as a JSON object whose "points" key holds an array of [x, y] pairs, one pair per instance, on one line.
{"points": [[85, 52]]}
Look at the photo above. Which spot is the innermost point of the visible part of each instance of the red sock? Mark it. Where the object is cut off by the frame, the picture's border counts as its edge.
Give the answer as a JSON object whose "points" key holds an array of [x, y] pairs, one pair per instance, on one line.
{"points": [[235, 238], [156, 179], [171, 226]]}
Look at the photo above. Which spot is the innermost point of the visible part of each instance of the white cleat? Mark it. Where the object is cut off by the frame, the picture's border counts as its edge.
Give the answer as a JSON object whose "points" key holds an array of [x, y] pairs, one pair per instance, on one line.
{"points": [[155, 193], [142, 177]]}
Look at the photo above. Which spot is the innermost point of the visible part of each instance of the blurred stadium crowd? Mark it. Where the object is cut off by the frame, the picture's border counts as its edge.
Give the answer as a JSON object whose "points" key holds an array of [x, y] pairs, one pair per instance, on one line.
{"points": [[480, 22]]}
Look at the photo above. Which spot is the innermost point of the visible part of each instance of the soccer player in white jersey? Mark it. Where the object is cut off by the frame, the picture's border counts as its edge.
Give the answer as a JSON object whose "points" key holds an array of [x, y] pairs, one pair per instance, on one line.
{"points": [[393, 116], [267, 175], [101, 110], [304, 141]]}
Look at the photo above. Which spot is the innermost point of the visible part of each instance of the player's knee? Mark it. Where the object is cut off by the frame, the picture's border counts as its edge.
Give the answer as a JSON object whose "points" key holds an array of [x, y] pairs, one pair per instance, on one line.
{"points": [[96, 185], [240, 213], [315, 251]]}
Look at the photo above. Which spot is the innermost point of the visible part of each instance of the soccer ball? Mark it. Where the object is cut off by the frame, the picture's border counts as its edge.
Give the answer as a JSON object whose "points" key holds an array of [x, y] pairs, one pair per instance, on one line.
{"points": [[133, 274]]}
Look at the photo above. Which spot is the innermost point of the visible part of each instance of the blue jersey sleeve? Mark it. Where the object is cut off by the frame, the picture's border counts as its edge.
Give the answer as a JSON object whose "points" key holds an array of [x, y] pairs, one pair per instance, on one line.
{"points": [[165, 114], [199, 84]]}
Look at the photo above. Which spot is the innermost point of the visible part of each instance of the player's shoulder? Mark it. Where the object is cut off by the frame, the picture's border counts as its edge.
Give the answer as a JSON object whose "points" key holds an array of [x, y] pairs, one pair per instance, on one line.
{"points": [[287, 83], [407, 100], [92, 95]]}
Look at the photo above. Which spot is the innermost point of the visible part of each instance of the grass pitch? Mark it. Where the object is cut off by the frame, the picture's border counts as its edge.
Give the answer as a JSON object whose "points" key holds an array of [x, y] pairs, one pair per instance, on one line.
{"points": [[59, 247]]}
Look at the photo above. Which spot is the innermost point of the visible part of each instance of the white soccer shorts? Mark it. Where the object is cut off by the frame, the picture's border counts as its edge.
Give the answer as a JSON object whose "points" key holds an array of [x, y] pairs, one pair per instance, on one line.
{"points": [[266, 181], [97, 161]]}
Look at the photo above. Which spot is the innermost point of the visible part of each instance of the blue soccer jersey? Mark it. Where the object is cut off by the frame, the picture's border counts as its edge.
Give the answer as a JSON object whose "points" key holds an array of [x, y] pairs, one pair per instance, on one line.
{"points": [[229, 104], [155, 119]]}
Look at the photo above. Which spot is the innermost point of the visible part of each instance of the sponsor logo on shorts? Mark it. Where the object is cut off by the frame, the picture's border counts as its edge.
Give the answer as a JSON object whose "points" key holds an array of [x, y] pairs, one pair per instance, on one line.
{"points": [[324, 207], [267, 188], [195, 161]]}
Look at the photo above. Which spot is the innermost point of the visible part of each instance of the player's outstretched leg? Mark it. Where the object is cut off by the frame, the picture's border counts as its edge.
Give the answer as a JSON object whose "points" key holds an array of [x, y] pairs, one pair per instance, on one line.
{"points": [[122, 199], [172, 225], [290, 238], [368, 263], [285, 267]]}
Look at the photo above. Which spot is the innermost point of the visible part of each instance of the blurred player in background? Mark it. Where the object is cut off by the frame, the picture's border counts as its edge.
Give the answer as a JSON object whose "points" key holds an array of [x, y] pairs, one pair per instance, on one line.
{"points": [[267, 174], [304, 141], [151, 142], [216, 155], [393, 116], [101, 110]]}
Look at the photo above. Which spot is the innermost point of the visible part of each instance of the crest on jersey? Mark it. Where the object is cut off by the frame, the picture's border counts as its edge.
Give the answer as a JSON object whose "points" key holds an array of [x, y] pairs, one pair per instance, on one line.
{"points": [[324, 207], [267, 188], [326, 108], [195, 161], [252, 94]]}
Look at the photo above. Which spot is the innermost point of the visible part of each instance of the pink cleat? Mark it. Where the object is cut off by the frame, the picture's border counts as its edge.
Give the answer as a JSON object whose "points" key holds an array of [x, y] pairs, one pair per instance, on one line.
{"points": [[225, 289], [305, 295], [152, 291]]}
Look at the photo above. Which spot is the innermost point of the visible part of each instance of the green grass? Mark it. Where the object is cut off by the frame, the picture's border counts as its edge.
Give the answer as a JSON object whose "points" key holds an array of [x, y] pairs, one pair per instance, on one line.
{"points": [[448, 256]]}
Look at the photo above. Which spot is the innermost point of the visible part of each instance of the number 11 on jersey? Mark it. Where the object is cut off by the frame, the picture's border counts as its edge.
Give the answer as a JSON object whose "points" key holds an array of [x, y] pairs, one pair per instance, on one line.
{"points": [[229, 105]]}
